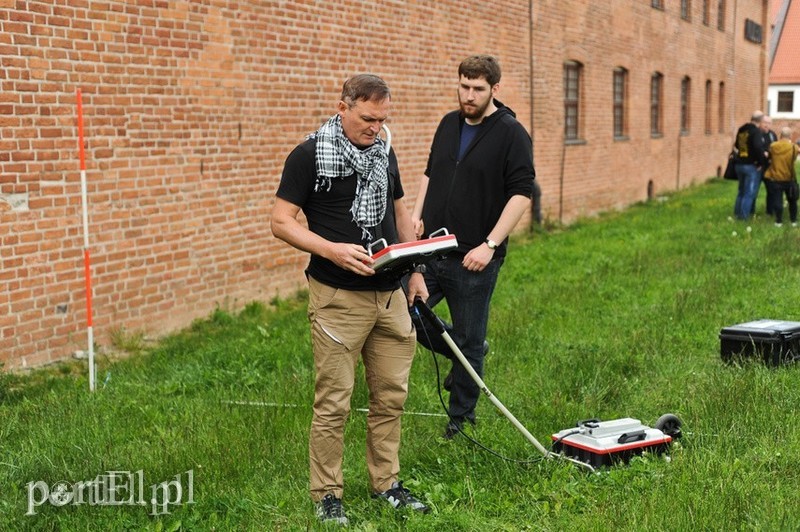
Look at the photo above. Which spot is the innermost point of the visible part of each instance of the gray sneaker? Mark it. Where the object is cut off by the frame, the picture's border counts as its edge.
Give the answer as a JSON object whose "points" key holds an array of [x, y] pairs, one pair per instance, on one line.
{"points": [[400, 497], [330, 510]]}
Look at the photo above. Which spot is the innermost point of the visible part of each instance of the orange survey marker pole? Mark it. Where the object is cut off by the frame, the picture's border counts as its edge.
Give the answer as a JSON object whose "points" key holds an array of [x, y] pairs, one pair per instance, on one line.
{"points": [[86, 261]]}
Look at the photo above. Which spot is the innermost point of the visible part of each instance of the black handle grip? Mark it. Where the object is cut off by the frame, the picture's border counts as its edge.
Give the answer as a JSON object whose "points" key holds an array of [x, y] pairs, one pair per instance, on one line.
{"points": [[426, 311], [629, 437]]}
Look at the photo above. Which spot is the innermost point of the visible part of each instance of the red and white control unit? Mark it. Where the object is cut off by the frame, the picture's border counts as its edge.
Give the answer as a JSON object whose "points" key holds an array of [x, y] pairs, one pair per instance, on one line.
{"points": [[406, 254], [604, 443]]}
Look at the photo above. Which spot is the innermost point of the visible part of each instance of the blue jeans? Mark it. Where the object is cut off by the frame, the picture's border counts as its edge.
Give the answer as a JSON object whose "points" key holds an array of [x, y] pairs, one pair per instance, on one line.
{"points": [[749, 182], [467, 295]]}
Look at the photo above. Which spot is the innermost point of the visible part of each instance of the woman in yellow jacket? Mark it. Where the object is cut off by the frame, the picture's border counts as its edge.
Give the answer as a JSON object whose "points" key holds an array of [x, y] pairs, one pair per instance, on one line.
{"points": [[780, 177]]}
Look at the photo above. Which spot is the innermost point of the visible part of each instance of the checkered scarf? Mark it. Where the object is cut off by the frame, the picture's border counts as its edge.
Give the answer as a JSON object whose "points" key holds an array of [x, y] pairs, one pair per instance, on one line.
{"points": [[338, 158]]}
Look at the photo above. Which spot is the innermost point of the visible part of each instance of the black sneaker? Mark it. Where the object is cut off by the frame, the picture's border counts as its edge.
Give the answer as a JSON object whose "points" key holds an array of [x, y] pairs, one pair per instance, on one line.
{"points": [[400, 497], [330, 510], [456, 425], [453, 427]]}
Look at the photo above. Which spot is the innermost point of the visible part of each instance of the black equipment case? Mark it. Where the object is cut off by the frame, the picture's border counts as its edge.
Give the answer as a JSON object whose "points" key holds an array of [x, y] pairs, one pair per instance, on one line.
{"points": [[775, 341]]}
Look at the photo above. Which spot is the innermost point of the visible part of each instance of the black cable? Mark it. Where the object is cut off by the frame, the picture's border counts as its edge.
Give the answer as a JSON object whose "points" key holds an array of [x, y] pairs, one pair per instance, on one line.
{"points": [[568, 434], [444, 407]]}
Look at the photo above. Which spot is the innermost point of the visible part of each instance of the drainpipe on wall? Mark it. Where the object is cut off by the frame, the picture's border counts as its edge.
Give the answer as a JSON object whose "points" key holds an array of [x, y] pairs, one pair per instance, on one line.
{"points": [[534, 207], [678, 173], [561, 180], [733, 71]]}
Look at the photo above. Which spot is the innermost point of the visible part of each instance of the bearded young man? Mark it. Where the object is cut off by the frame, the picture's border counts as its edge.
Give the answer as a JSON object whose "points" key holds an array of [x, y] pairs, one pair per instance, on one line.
{"points": [[349, 189], [478, 183]]}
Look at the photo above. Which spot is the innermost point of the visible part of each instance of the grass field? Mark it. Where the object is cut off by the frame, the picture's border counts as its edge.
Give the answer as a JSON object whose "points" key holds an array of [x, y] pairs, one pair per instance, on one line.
{"points": [[612, 317]]}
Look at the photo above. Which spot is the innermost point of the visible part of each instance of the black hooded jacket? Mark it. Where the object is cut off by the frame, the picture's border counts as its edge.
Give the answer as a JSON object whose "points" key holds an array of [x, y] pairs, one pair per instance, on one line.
{"points": [[750, 146], [468, 196]]}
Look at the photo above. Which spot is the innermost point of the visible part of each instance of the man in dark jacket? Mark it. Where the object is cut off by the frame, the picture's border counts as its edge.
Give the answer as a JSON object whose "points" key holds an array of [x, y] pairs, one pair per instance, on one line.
{"points": [[478, 183], [750, 161]]}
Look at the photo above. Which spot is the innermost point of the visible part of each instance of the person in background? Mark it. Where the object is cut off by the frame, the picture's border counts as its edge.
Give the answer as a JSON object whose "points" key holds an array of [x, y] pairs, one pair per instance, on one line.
{"points": [[769, 137], [348, 186], [749, 160], [478, 183], [780, 176]]}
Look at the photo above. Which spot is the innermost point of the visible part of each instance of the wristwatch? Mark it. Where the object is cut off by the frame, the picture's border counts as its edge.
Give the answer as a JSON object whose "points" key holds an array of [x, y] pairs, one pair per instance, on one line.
{"points": [[491, 243], [420, 268]]}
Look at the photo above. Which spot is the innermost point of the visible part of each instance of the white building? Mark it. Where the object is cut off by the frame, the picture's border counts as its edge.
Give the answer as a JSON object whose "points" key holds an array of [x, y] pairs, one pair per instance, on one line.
{"points": [[783, 94]]}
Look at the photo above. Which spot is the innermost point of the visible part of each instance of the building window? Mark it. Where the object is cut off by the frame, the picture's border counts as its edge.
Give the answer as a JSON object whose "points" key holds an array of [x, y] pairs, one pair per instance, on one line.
{"points": [[706, 12], [656, 93], [752, 31], [686, 9], [572, 94], [721, 103], [721, 15], [708, 107], [686, 98], [785, 101], [620, 101], [658, 4]]}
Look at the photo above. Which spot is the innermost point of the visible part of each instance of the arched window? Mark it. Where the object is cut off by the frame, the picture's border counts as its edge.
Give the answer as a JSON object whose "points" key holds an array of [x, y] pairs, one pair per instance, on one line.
{"points": [[686, 98], [620, 88], [708, 107], [572, 99], [656, 104]]}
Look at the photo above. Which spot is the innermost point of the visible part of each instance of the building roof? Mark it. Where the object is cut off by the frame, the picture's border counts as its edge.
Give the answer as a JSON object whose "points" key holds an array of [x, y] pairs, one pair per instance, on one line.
{"points": [[785, 66]]}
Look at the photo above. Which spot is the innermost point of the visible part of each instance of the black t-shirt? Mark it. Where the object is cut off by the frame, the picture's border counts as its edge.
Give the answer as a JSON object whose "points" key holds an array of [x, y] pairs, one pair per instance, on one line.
{"points": [[328, 215]]}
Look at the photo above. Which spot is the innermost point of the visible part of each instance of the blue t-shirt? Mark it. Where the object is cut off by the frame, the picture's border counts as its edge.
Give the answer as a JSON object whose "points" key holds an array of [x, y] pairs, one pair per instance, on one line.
{"points": [[468, 133]]}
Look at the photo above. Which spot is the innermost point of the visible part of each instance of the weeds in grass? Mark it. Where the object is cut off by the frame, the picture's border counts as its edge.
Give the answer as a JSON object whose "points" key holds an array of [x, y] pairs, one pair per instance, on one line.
{"points": [[130, 342], [616, 316]]}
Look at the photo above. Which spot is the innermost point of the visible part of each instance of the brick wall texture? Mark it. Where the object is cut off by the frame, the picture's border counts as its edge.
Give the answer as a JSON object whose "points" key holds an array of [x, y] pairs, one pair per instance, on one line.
{"points": [[190, 108]]}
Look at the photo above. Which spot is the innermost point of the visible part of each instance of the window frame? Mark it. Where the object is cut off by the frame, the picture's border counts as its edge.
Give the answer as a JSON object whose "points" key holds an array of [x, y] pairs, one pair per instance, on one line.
{"points": [[573, 71], [620, 102], [709, 97], [781, 100], [657, 104], [686, 105]]}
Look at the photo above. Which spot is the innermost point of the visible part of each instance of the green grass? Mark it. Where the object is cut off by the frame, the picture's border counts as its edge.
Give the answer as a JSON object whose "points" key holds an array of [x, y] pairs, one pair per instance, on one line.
{"points": [[612, 317]]}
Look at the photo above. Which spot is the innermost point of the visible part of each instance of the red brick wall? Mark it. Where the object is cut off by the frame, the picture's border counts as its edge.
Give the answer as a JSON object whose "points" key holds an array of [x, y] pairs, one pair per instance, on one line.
{"points": [[190, 109], [582, 179], [794, 125]]}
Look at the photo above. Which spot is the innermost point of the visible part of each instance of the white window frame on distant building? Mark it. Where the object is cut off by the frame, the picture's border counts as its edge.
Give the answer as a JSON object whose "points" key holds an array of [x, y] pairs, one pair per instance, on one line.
{"points": [[785, 102]]}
